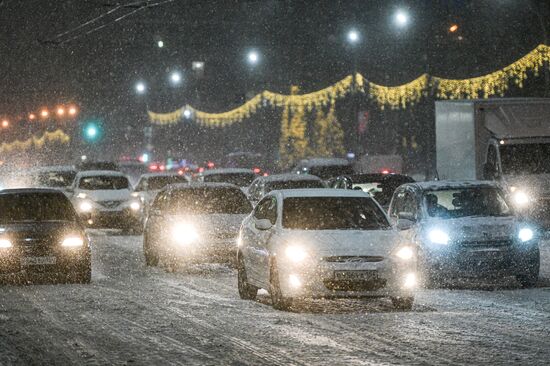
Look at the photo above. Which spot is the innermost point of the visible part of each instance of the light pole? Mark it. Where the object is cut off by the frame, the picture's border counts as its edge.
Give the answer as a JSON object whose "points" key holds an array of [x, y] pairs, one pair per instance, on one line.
{"points": [[175, 78], [353, 38]]}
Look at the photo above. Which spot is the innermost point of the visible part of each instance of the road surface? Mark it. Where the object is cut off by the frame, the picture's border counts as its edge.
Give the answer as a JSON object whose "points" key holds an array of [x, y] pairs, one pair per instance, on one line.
{"points": [[134, 315]]}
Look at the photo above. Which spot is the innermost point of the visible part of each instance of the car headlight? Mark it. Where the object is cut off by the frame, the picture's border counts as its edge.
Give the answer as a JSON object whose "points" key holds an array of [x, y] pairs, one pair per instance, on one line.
{"points": [[81, 195], [295, 253], [405, 253], [410, 280], [85, 206], [184, 234], [521, 198], [73, 241], [5, 243], [135, 206], [437, 236], [525, 234], [135, 194]]}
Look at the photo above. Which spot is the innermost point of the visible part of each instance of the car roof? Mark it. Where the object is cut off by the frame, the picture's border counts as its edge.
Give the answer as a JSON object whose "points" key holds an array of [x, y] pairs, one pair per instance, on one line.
{"points": [[451, 184], [374, 177], [166, 174], [290, 177], [183, 186], [30, 190], [226, 171], [323, 162], [95, 173], [319, 192]]}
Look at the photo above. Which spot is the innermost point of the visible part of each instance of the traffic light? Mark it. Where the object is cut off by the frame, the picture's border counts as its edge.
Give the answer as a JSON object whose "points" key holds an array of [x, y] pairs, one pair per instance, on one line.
{"points": [[92, 131]]}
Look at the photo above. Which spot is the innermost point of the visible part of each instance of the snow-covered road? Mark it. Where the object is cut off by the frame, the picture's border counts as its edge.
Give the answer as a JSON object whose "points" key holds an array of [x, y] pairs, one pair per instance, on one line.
{"points": [[132, 314]]}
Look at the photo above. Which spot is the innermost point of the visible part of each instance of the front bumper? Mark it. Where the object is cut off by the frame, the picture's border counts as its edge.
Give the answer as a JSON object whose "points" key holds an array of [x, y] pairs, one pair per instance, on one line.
{"points": [[385, 278], [207, 250], [44, 260], [112, 219]]}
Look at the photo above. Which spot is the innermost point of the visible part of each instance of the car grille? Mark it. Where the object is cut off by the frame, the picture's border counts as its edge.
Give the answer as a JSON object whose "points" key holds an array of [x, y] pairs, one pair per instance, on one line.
{"points": [[36, 248], [339, 285], [486, 243], [353, 258], [110, 204]]}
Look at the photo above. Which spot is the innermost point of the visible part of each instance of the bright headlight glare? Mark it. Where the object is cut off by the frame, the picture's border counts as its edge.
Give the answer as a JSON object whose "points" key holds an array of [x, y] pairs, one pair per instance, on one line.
{"points": [[135, 206], [520, 198], [295, 253], [405, 253], [437, 236], [294, 281], [85, 206], [525, 234], [81, 195], [73, 241], [135, 194], [5, 243], [410, 280], [185, 233]]}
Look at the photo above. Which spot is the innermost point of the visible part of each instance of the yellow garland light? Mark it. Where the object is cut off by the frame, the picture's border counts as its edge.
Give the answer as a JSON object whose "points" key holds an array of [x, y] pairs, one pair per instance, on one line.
{"points": [[38, 142], [400, 96]]}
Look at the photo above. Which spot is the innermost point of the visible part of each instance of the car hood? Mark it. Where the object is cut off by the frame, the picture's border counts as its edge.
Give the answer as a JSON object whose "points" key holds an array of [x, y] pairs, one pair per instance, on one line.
{"points": [[27, 231], [213, 223], [475, 228], [343, 242], [108, 195]]}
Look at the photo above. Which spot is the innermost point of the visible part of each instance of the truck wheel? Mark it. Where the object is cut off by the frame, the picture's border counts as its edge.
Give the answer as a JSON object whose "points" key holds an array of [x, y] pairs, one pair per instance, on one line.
{"points": [[278, 300], [246, 291], [530, 277], [403, 303]]}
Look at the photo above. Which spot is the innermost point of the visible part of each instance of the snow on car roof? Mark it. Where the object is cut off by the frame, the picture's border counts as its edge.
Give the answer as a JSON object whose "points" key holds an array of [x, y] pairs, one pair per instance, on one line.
{"points": [[55, 168], [452, 184], [227, 171], [320, 192], [96, 173], [164, 174], [192, 185], [290, 177], [324, 162]]}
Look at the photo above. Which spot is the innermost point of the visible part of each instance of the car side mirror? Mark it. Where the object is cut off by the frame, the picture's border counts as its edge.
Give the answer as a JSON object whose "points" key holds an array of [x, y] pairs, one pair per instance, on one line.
{"points": [[263, 224], [404, 224]]}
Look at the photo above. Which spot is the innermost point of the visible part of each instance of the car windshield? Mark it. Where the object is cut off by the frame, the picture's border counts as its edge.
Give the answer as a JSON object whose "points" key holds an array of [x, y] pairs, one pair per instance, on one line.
{"points": [[466, 202], [158, 183], [238, 179], [55, 179], [32, 207], [524, 159], [329, 171], [103, 182], [209, 201], [293, 184], [332, 213]]}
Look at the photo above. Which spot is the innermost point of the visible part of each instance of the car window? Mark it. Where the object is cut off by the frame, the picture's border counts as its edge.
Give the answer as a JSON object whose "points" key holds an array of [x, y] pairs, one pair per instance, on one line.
{"points": [[33, 207], [103, 182], [466, 202], [267, 209], [293, 184]]}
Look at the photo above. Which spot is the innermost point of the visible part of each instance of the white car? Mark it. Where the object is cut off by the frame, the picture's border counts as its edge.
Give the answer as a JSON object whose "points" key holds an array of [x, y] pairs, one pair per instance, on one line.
{"points": [[263, 185], [104, 199], [150, 184], [466, 230], [237, 176], [194, 223], [323, 243]]}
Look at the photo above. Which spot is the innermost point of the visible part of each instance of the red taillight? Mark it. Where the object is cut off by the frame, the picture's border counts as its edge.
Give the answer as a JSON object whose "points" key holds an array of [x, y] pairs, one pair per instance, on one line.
{"points": [[180, 172], [256, 170], [385, 171], [201, 169], [265, 174], [162, 168], [210, 165], [154, 167]]}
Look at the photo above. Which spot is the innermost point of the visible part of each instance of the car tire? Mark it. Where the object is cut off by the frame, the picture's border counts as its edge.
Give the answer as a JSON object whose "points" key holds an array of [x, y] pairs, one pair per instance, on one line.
{"points": [[403, 303], [530, 277], [151, 257], [246, 291], [278, 300]]}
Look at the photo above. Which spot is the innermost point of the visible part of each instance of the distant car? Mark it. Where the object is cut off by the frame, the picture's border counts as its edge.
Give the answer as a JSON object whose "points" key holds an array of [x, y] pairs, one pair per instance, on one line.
{"points": [[323, 243], [58, 177], [133, 170], [194, 223], [40, 233], [149, 185], [466, 230], [98, 165], [104, 199], [263, 185], [324, 168], [236, 176], [380, 186]]}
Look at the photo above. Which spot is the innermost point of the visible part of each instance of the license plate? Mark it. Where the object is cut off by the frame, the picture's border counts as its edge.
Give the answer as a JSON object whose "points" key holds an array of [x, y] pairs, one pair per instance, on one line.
{"points": [[355, 275], [37, 261]]}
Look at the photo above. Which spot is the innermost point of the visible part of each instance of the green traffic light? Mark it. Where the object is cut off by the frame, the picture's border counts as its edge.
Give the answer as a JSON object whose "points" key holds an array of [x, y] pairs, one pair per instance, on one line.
{"points": [[92, 132]]}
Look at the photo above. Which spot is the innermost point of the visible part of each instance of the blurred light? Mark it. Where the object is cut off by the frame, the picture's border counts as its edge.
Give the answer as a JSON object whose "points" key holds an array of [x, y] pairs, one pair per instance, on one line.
{"points": [[135, 206], [353, 36], [187, 113], [405, 253], [210, 164], [175, 78], [453, 28], [185, 233], [201, 169], [294, 280], [253, 57], [401, 18], [162, 168], [140, 87], [44, 113], [385, 171], [32, 116], [73, 241], [501, 142], [296, 254], [256, 170], [85, 206], [91, 132], [160, 44], [350, 155], [144, 158], [197, 65], [438, 237], [72, 111], [83, 157], [180, 172], [525, 234], [410, 280], [265, 174], [5, 123], [154, 167], [60, 111], [5, 243], [521, 198]]}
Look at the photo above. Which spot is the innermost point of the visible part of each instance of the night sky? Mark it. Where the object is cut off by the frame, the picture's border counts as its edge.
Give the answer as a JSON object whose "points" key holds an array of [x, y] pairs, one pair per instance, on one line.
{"points": [[300, 42]]}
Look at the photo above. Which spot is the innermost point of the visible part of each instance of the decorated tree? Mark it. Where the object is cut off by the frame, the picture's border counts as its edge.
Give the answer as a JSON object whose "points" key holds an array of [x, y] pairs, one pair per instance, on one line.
{"points": [[328, 135], [294, 144]]}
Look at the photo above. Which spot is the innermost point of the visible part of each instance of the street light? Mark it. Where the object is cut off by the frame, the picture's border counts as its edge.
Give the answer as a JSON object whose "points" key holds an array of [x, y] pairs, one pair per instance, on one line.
{"points": [[44, 113], [160, 44], [140, 88], [401, 18], [72, 111], [5, 123], [32, 116], [187, 113], [253, 57], [60, 111], [353, 36], [175, 78]]}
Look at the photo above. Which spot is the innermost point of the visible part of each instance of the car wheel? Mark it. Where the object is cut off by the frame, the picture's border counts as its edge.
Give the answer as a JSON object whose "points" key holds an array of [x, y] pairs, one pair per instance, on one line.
{"points": [[531, 276], [246, 291], [151, 257], [403, 303], [278, 300]]}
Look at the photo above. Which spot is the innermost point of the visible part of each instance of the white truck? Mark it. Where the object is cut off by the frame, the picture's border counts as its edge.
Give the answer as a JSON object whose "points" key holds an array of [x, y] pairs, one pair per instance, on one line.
{"points": [[507, 140]]}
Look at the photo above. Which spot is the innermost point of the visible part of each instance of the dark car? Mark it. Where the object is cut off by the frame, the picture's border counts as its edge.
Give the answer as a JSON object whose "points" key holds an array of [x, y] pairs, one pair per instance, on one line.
{"points": [[381, 186], [40, 233]]}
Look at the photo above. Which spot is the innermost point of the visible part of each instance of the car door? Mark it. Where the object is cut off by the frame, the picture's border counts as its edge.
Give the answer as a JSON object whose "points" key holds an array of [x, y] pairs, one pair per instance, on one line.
{"points": [[407, 204]]}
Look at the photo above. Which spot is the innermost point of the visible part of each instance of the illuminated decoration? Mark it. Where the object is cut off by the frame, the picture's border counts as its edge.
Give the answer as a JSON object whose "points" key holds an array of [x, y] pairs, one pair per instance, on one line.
{"points": [[60, 111], [44, 113], [328, 135], [32, 116], [5, 123], [57, 136], [401, 96], [293, 143]]}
